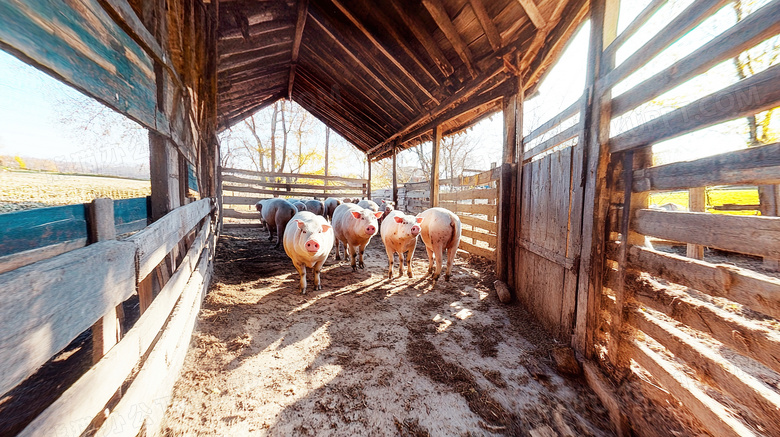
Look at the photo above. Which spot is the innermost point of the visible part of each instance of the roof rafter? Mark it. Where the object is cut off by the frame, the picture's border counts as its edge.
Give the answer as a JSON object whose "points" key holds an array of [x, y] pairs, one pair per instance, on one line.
{"points": [[303, 6], [533, 13], [491, 32], [427, 41], [444, 22]]}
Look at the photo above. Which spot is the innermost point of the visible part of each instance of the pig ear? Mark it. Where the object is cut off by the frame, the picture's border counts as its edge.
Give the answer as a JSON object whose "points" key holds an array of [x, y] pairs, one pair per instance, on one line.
{"points": [[300, 223], [325, 228], [378, 214], [398, 219], [356, 214], [419, 219]]}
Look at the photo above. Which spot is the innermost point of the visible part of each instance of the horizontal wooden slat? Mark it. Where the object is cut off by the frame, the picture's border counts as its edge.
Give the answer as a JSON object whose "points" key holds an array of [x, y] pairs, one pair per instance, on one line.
{"points": [[479, 222], [130, 210], [232, 213], [752, 166], [26, 230], [564, 115], [159, 238], [293, 175], [474, 193], [467, 181], [733, 207], [241, 226], [632, 27], [20, 259], [548, 144], [43, 306], [131, 226], [761, 400], [479, 251], [459, 208], [756, 291], [239, 200], [750, 339], [88, 396], [749, 96], [161, 369], [319, 192], [714, 416], [744, 234], [254, 182], [755, 28], [548, 254], [482, 236]]}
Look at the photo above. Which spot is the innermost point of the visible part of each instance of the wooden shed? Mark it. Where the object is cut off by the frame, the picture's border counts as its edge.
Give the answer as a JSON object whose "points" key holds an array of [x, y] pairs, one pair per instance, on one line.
{"points": [[566, 214]]}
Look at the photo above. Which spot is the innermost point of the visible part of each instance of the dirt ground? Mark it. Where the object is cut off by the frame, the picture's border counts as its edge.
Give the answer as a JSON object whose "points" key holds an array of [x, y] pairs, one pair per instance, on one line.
{"points": [[368, 356]]}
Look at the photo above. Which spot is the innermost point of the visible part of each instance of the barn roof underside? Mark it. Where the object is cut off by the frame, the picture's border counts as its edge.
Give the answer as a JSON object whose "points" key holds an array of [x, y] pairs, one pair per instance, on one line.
{"points": [[383, 73]]}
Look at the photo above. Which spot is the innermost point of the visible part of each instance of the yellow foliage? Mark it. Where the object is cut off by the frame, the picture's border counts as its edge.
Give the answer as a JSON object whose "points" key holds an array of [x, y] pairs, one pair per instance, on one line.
{"points": [[21, 162], [715, 197]]}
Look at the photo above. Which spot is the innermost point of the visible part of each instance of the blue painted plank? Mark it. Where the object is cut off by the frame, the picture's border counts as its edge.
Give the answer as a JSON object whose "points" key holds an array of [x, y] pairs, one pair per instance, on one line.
{"points": [[79, 43], [192, 178], [130, 210], [125, 228], [26, 230]]}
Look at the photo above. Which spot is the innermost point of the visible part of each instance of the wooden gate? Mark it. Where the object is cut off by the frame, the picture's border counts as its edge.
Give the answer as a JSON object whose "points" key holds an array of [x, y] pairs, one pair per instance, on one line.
{"points": [[549, 220]]}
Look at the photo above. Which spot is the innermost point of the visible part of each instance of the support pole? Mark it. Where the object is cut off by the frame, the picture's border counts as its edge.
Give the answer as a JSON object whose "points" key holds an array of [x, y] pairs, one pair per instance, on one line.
{"points": [[395, 174], [368, 188], [513, 122], [327, 146], [435, 166]]}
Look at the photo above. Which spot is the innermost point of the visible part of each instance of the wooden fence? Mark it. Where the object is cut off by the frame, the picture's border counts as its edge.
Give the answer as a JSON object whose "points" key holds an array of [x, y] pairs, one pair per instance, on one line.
{"points": [[243, 188], [703, 330], [49, 302]]}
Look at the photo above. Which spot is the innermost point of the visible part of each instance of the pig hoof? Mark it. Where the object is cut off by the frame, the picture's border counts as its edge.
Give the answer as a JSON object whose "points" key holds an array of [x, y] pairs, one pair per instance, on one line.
{"points": [[354, 268], [362, 266], [435, 278], [303, 291], [410, 274], [447, 278]]}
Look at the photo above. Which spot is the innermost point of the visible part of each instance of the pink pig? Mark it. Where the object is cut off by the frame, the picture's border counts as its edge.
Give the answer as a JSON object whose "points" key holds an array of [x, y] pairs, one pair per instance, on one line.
{"points": [[399, 233]]}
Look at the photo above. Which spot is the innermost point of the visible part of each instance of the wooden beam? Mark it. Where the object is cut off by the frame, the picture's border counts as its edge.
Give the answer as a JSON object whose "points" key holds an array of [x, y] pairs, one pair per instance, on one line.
{"points": [[395, 176], [491, 32], [513, 122], [635, 25], [382, 49], [435, 166], [697, 202], [303, 6], [533, 13], [439, 14], [368, 183], [425, 39]]}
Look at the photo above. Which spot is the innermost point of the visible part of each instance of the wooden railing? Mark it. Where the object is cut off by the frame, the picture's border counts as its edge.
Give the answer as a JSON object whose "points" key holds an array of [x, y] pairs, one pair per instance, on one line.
{"points": [[46, 304], [243, 188], [702, 330]]}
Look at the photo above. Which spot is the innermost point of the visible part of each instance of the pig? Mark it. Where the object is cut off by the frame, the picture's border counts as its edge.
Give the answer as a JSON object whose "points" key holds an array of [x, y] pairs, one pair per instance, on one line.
{"points": [[399, 234], [300, 206], [308, 240], [259, 208], [276, 214], [386, 208], [440, 230], [353, 227], [331, 203], [368, 204], [315, 206]]}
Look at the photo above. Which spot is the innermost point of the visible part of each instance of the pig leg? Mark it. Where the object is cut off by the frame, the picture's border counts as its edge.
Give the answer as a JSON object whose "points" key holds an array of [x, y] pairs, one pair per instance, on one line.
{"points": [[338, 250], [390, 256], [430, 260], [362, 250], [400, 264], [439, 257], [317, 270], [279, 234], [451, 252], [409, 256], [352, 256], [302, 272]]}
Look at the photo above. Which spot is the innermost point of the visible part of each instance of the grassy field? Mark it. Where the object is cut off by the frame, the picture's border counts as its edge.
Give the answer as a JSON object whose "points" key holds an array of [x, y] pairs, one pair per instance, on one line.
{"points": [[715, 197], [25, 190]]}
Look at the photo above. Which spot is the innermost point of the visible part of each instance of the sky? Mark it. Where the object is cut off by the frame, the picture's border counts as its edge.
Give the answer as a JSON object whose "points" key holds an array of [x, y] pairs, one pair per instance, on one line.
{"points": [[41, 117]]}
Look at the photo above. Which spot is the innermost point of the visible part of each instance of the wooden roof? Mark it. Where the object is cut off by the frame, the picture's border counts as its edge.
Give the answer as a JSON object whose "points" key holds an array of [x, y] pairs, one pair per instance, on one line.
{"points": [[384, 72]]}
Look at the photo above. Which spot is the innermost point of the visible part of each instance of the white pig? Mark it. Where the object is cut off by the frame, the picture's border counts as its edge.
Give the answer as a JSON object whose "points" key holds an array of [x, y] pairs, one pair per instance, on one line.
{"points": [[331, 203], [315, 206], [440, 230], [399, 233], [368, 204], [308, 239], [354, 226], [276, 213]]}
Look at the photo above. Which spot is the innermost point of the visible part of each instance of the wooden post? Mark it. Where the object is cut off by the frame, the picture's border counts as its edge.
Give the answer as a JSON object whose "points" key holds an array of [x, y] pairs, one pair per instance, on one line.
{"points": [[505, 246], [107, 331], [697, 201], [368, 188], [769, 201], [395, 175], [513, 122], [327, 144], [435, 166]]}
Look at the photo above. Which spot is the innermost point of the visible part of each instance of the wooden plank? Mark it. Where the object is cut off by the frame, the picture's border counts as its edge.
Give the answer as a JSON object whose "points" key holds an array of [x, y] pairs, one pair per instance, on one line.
{"points": [[488, 26], [750, 339], [159, 238], [37, 318], [474, 193], [756, 291], [460, 208], [711, 366], [562, 116], [478, 251], [236, 200], [358, 182], [694, 14], [749, 96], [745, 234], [130, 213], [533, 13], [25, 230], [160, 371], [425, 39], [544, 146], [755, 28], [442, 19], [697, 202], [232, 213], [303, 6], [635, 25], [228, 226], [21, 259], [292, 189], [606, 393], [88, 396], [751, 166], [435, 159], [270, 184], [550, 255], [714, 416], [490, 239], [85, 48]]}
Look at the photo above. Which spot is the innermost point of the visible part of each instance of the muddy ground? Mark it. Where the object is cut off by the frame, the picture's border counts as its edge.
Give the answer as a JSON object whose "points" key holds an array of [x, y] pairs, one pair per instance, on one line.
{"points": [[368, 356]]}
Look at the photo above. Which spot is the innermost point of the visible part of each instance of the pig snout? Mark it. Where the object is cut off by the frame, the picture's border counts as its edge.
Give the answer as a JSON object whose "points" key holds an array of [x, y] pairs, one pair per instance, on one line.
{"points": [[415, 230], [371, 230], [312, 246]]}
